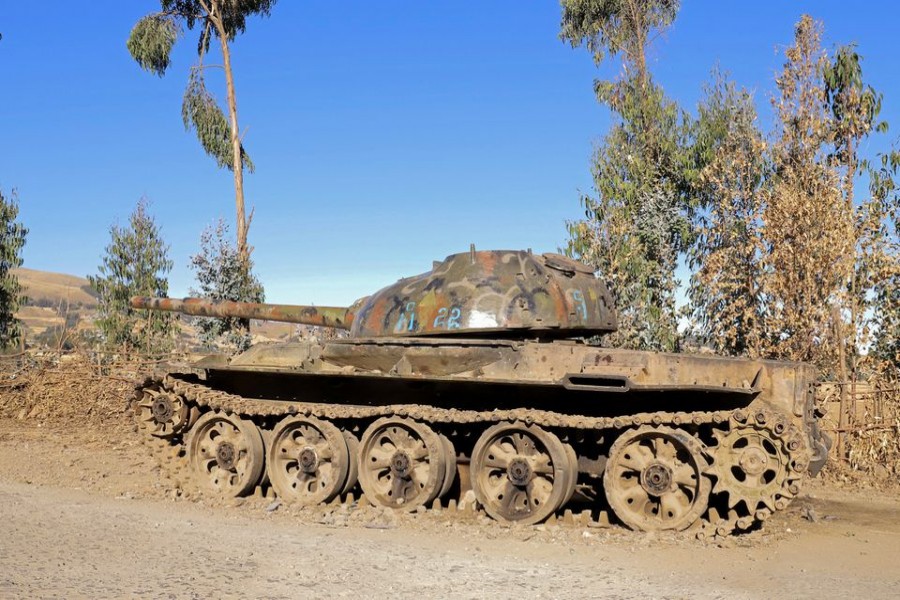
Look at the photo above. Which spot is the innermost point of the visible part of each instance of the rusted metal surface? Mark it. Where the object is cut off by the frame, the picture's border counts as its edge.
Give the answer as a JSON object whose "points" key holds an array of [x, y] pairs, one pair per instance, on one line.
{"points": [[493, 292], [323, 316], [574, 366], [680, 381], [503, 293]]}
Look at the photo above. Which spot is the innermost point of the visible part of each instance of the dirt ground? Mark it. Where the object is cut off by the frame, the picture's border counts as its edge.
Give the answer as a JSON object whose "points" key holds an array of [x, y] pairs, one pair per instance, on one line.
{"points": [[88, 515]]}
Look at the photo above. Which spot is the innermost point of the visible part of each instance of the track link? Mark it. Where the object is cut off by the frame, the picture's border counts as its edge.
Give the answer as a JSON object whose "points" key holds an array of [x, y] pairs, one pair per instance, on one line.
{"points": [[717, 521]]}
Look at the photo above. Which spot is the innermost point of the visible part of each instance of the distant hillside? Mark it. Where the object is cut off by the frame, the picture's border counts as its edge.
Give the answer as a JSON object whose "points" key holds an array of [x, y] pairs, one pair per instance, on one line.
{"points": [[56, 289]]}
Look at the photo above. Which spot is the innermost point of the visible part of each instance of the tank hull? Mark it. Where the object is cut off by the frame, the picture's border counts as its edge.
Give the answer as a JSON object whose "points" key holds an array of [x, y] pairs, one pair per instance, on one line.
{"points": [[724, 442]]}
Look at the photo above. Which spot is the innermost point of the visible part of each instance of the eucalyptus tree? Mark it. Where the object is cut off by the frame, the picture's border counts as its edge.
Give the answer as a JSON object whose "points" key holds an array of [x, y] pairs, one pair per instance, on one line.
{"points": [[726, 257], [808, 225], [635, 224], [135, 263], [150, 44], [855, 109]]}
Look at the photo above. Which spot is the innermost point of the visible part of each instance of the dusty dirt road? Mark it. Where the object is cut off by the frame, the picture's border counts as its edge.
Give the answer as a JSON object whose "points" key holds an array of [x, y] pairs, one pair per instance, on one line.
{"points": [[88, 516]]}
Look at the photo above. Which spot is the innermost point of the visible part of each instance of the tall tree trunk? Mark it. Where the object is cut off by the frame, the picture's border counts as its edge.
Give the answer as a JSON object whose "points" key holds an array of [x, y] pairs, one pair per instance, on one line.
{"points": [[854, 300], [238, 162], [242, 325], [842, 374], [639, 50]]}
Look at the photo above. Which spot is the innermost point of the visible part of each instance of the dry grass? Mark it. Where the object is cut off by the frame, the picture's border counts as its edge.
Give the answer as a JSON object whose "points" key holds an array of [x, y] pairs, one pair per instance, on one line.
{"points": [[38, 319], [66, 390], [873, 444], [57, 289]]}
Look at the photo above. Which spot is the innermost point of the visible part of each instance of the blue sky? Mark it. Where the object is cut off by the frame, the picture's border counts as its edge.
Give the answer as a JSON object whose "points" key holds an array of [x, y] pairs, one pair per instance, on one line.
{"points": [[385, 134]]}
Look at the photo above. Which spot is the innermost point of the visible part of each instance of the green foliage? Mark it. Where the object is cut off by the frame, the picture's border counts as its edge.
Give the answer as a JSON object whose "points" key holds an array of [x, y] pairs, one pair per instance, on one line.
{"points": [[854, 105], [135, 263], [233, 13], [615, 26], [639, 211], [725, 292], [200, 112], [151, 42], [855, 108], [222, 275], [786, 261], [887, 340], [12, 240], [636, 225]]}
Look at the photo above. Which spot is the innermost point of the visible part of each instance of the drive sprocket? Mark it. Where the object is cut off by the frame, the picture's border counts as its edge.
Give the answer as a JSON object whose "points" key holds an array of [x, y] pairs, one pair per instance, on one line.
{"points": [[758, 462]]}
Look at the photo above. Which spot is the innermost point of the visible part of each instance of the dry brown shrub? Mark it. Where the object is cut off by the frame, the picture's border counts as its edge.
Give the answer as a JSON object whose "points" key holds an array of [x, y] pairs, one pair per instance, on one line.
{"points": [[68, 390], [873, 446], [869, 452]]}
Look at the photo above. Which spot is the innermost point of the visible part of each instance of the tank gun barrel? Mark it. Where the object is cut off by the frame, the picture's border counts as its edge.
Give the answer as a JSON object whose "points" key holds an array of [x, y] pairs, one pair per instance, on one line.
{"points": [[322, 316]]}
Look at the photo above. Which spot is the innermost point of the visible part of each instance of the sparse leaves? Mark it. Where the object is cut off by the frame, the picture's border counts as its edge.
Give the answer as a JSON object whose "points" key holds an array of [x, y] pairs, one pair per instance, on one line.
{"points": [[222, 276], [201, 112], [855, 108], [151, 42]]}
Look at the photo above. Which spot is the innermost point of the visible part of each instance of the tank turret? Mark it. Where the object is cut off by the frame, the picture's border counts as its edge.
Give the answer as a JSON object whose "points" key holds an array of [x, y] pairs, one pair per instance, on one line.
{"points": [[493, 293]]}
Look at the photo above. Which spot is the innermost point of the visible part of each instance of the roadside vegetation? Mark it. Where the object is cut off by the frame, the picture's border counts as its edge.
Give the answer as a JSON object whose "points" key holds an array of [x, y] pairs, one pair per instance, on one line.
{"points": [[787, 241]]}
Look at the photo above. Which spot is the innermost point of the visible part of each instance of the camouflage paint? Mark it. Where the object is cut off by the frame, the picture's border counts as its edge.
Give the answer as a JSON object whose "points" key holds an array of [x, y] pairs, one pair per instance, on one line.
{"points": [[325, 316], [505, 293], [495, 291]]}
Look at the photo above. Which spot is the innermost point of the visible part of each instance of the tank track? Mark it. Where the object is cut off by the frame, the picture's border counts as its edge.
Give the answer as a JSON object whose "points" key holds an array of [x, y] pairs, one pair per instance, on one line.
{"points": [[172, 456]]}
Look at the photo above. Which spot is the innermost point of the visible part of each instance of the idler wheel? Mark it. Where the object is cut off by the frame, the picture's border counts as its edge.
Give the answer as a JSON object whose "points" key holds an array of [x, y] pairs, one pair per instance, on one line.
{"points": [[226, 453], [308, 460], [654, 479], [521, 473], [162, 414], [402, 463]]}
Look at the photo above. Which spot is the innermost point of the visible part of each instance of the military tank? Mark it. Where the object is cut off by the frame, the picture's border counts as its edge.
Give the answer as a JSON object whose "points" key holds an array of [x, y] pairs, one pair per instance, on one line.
{"points": [[479, 375]]}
